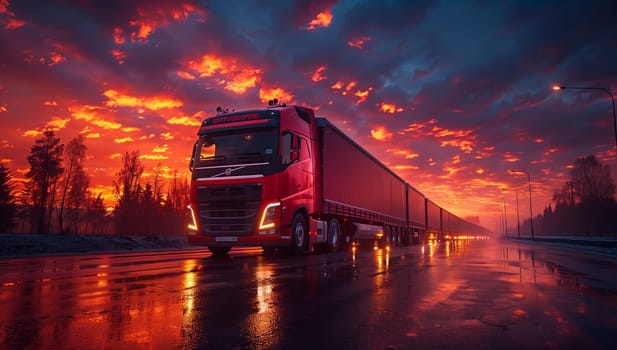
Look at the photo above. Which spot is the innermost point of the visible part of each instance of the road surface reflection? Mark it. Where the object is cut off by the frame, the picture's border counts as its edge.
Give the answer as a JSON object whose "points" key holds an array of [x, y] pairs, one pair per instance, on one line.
{"points": [[456, 293]]}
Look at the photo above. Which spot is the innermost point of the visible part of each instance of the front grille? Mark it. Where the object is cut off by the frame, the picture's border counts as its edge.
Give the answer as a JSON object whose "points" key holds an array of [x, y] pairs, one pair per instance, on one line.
{"points": [[229, 210]]}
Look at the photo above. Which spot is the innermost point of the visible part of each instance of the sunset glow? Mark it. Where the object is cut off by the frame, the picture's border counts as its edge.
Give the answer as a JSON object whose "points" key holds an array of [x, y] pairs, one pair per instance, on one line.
{"points": [[449, 105]]}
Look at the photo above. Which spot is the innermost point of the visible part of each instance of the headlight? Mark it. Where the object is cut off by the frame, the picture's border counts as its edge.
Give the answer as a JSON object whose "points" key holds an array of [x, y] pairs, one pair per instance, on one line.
{"points": [[270, 217], [192, 221]]}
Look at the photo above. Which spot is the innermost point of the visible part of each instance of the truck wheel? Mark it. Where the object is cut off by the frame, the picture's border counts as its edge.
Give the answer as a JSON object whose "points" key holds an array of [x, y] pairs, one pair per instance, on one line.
{"points": [[299, 234], [219, 251], [334, 235]]}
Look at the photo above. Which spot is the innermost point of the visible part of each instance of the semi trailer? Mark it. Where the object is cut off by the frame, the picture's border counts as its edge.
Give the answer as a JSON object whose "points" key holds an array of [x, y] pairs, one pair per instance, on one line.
{"points": [[279, 177]]}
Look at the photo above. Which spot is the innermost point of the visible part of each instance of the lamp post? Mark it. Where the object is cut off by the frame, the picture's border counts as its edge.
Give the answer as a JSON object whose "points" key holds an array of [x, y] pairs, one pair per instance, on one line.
{"points": [[518, 221], [505, 212], [530, 210], [594, 88]]}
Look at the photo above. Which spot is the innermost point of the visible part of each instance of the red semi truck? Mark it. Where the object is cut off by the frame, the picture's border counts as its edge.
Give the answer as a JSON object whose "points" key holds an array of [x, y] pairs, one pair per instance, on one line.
{"points": [[280, 177]]}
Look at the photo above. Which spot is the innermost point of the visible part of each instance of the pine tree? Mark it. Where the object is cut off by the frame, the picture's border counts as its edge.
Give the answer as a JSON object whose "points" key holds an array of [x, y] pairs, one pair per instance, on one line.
{"points": [[45, 167], [7, 200]]}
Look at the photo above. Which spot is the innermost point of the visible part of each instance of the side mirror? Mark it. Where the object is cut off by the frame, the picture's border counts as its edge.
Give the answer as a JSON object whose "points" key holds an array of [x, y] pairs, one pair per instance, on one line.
{"points": [[193, 157]]}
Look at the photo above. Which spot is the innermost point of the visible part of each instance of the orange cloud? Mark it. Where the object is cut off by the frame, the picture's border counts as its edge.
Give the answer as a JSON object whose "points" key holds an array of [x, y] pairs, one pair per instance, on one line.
{"points": [[12, 23], [381, 133], [244, 80], [402, 152], [124, 140], [118, 36], [94, 135], [441, 132], [225, 72], [55, 58], [153, 103], [153, 156], [337, 86], [323, 19], [511, 158], [390, 108], [31, 133], [464, 145], [362, 95], [57, 123], [5, 144], [167, 136], [185, 75], [359, 42], [91, 115], [106, 124], [184, 120], [317, 76], [266, 94], [551, 151], [119, 55], [350, 86], [406, 167], [149, 20], [160, 149], [130, 129]]}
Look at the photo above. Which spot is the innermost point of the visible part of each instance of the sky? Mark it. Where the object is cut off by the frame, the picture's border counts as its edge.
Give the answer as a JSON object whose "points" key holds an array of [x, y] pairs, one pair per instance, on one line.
{"points": [[449, 94]]}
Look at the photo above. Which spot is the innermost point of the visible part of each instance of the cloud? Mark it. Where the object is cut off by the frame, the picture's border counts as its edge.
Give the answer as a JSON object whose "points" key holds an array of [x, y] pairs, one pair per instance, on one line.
{"points": [[183, 120], [380, 133], [390, 108], [323, 19], [116, 99], [228, 72], [266, 94], [124, 140]]}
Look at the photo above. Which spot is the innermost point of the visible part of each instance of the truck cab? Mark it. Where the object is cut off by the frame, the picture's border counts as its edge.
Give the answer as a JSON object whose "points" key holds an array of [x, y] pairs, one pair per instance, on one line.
{"points": [[253, 180]]}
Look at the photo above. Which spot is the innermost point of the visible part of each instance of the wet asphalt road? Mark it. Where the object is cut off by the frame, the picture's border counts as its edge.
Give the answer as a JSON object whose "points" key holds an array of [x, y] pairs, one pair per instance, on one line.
{"points": [[449, 295]]}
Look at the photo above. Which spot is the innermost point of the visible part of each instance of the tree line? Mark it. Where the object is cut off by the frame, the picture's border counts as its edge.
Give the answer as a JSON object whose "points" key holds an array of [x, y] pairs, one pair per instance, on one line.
{"points": [[584, 206], [56, 195]]}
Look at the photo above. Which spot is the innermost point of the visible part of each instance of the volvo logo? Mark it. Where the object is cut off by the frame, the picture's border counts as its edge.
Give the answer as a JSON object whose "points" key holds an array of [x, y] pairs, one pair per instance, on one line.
{"points": [[228, 171]]}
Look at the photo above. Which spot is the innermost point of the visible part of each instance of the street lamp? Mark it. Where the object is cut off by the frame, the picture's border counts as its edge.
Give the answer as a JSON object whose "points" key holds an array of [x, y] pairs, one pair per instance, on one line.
{"points": [[530, 210], [556, 87]]}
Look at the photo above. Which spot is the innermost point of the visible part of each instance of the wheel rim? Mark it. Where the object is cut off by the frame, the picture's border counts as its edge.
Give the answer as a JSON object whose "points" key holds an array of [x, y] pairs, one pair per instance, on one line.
{"points": [[334, 231], [299, 233]]}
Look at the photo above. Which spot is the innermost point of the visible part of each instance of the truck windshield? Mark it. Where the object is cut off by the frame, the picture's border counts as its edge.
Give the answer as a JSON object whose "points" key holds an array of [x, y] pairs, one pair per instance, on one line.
{"points": [[237, 147]]}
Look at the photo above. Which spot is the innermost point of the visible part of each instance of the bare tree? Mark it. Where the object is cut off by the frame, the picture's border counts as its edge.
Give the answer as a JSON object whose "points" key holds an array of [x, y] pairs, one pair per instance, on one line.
{"points": [[45, 166], [126, 185], [95, 214], [179, 193], [77, 197], [591, 180], [127, 190], [75, 154]]}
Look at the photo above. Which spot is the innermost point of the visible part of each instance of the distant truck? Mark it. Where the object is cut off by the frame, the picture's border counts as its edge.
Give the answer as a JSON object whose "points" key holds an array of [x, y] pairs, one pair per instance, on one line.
{"points": [[279, 177]]}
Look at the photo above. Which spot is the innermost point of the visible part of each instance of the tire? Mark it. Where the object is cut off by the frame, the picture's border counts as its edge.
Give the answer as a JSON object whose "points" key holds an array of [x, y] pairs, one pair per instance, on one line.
{"points": [[219, 251], [299, 234], [334, 236]]}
